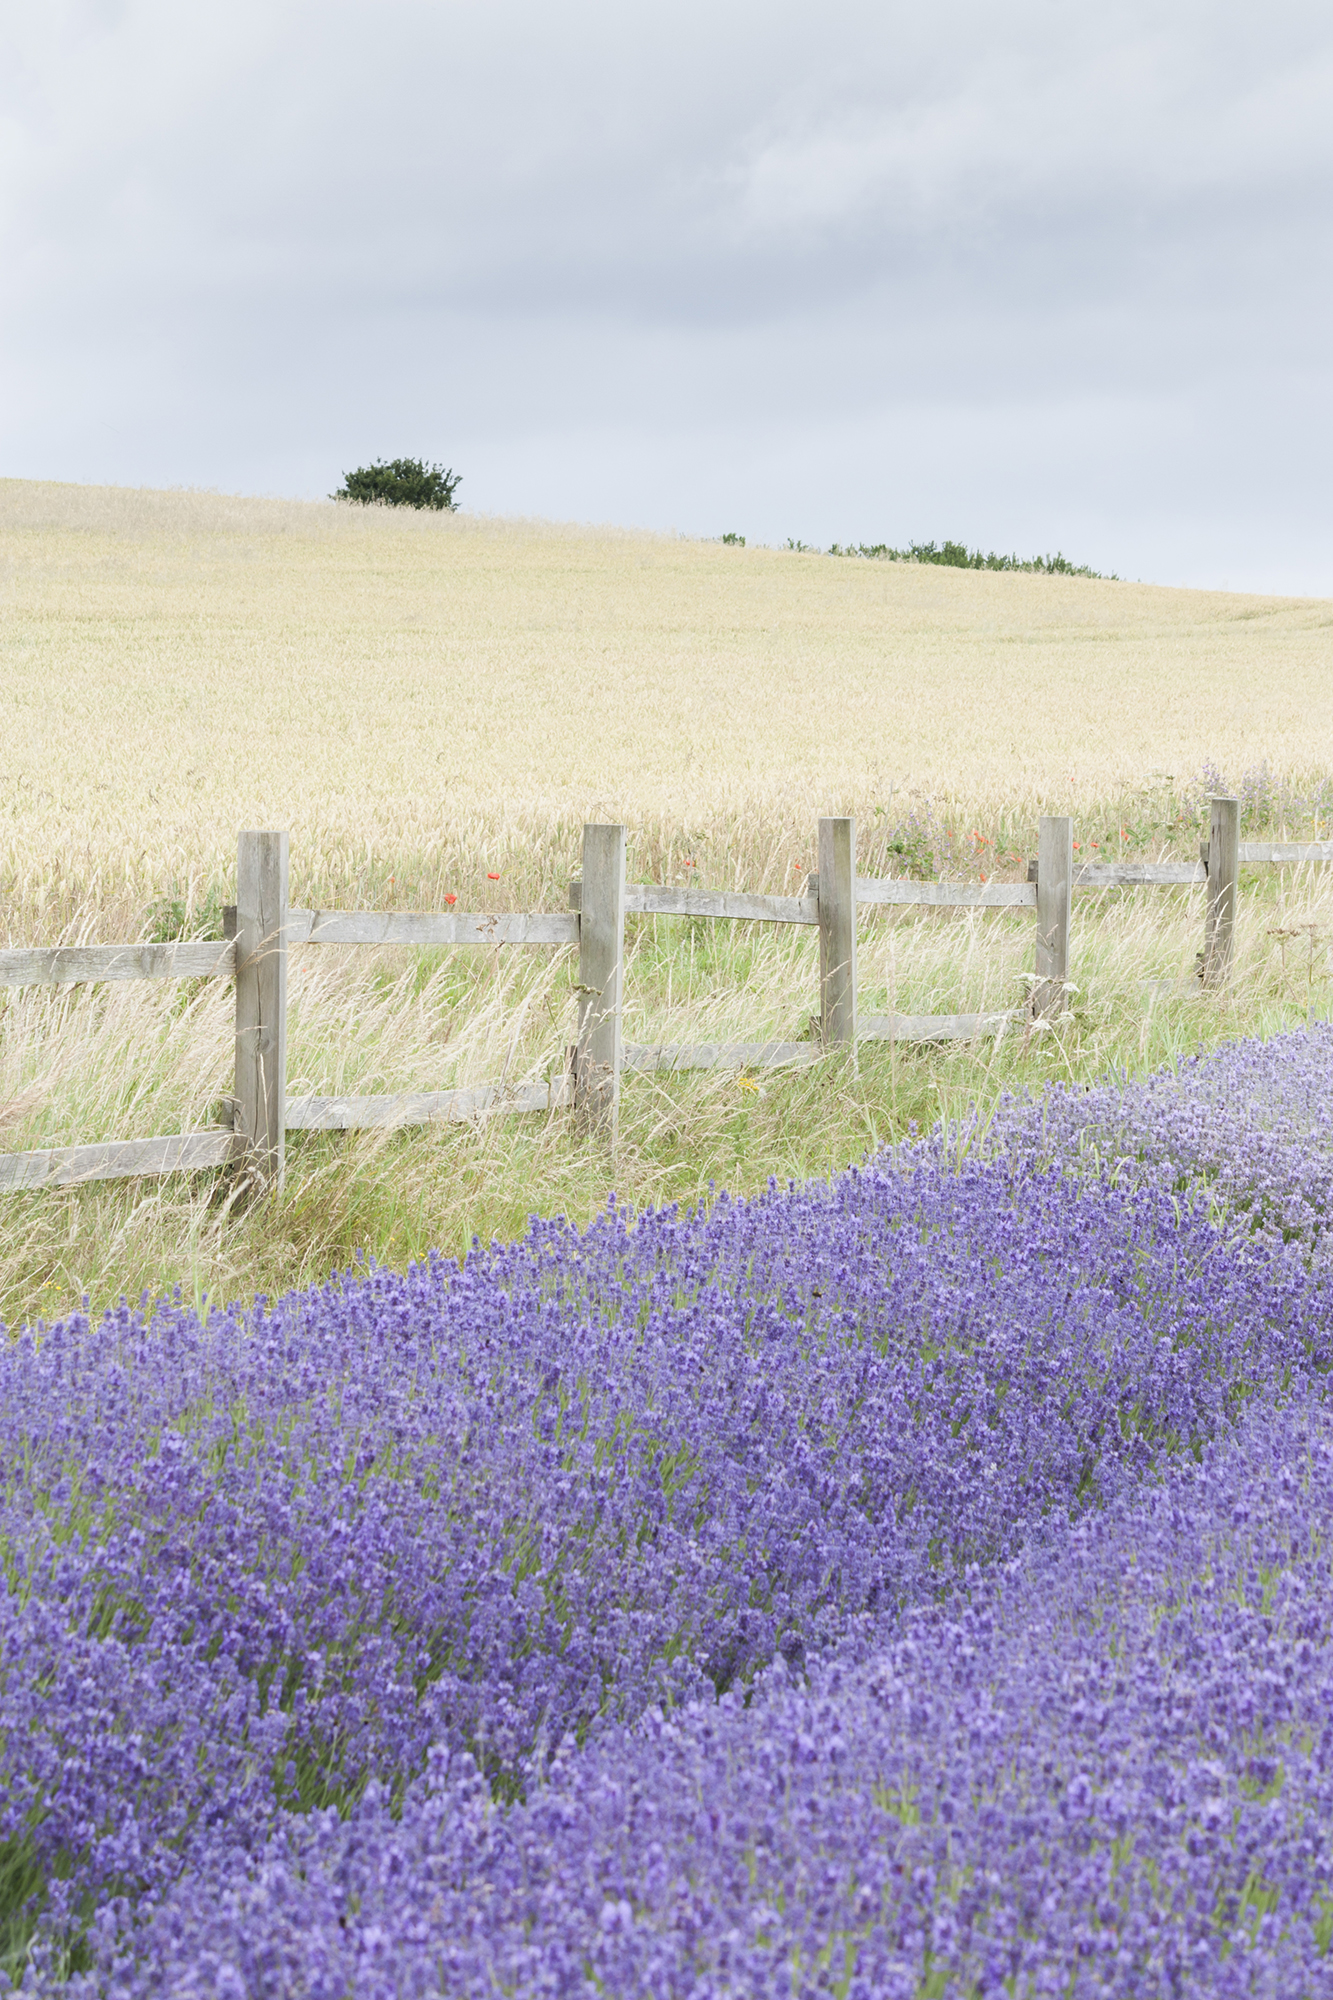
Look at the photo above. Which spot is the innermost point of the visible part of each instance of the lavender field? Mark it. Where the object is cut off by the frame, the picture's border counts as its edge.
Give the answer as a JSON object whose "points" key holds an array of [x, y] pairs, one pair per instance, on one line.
{"points": [[915, 1586]]}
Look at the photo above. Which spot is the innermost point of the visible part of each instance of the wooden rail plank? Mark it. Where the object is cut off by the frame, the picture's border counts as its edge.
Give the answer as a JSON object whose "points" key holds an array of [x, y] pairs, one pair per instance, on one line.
{"points": [[1137, 874], [933, 1027], [118, 1159], [77, 964], [422, 1107], [1251, 853], [1284, 850], [948, 895], [717, 1055], [429, 927], [655, 900]]}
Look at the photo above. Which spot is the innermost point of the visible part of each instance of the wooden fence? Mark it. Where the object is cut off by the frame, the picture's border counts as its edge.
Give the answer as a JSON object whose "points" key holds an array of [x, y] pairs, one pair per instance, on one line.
{"points": [[262, 928]]}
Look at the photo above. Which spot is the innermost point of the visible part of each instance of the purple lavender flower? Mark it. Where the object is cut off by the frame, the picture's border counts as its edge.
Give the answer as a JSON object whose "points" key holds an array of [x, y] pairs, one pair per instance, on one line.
{"points": [[1250, 1125], [1108, 1771], [301, 1598]]}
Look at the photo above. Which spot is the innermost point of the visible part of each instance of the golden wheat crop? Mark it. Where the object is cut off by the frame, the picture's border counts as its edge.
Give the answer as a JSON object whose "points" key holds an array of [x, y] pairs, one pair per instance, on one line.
{"points": [[444, 691], [433, 705]]}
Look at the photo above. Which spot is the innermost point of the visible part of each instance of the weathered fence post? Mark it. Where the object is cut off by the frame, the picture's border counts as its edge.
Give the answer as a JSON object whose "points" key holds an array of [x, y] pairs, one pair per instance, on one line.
{"points": [[1219, 917], [601, 970], [261, 1003], [837, 930], [1055, 878]]}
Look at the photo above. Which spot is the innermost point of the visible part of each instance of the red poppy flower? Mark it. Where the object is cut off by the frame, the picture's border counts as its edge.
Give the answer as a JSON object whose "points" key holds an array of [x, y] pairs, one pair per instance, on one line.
{"points": [[492, 878], [451, 900]]}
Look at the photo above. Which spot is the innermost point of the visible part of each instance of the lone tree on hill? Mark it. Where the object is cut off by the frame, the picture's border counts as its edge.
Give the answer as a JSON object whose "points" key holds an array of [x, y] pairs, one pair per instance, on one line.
{"points": [[400, 482]]}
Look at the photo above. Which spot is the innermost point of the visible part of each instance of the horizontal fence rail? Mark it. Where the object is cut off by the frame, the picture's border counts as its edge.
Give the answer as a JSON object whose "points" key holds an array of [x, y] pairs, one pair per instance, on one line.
{"points": [[647, 899], [1161, 874], [1138, 874], [119, 1159], [1283, 851], [82, 964], [949, 895], [422, 927], [261, 928]]}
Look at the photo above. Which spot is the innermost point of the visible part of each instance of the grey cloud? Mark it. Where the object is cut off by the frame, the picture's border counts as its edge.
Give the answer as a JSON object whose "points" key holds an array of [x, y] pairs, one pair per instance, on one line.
{"points": [[624, 262]]}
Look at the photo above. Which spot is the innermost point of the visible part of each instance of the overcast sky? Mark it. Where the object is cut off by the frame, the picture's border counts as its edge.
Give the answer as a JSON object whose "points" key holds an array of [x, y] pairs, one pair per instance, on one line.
{"points": [[1047, 275]]}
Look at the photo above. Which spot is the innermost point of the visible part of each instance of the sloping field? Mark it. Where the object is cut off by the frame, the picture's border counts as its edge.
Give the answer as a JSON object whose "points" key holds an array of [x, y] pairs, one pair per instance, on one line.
{"points": [[404, 685], [433, 705]]}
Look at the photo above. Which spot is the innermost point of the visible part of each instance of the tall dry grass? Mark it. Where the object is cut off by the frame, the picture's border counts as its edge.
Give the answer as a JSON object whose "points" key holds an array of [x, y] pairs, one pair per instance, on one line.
{"points": [[431, 702]]}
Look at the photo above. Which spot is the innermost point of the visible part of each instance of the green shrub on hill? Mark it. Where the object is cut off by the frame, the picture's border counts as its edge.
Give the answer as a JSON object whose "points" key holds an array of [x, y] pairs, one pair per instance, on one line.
{"points": [[956, 555], [400, 482]]}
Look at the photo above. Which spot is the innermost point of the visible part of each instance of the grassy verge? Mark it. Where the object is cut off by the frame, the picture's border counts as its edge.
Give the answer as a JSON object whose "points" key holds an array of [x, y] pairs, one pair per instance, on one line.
{"points": [[120, 1061]]}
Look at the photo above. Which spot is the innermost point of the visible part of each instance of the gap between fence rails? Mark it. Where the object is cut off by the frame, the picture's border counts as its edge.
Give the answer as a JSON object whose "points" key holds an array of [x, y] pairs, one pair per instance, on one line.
{"points": [[262, 926]]}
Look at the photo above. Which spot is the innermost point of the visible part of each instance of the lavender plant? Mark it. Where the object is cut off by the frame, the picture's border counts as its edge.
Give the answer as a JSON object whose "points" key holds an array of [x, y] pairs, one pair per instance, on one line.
{"points": [[1250, 1124], [1108, 1773], [447, 1549]]}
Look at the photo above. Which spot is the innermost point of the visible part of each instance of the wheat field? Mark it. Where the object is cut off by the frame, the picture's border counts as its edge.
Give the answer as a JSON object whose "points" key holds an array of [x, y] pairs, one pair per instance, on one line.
{"points": [[432, 705]]}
